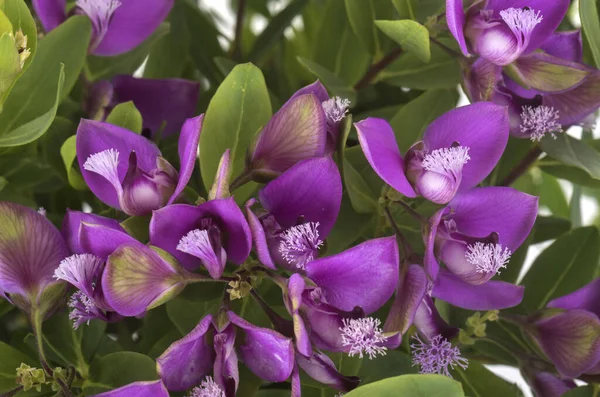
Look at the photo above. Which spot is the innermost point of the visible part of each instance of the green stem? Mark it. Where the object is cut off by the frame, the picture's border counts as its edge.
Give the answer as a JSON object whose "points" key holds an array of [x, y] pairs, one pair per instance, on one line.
{"points": [[407, 250], [12, 392], [241, 180], [513, 336]]}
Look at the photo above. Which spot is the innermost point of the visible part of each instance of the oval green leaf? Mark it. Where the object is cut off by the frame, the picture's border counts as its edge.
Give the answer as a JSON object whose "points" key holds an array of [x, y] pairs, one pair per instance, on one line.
{"points": [[411, 35], [411, 385]]}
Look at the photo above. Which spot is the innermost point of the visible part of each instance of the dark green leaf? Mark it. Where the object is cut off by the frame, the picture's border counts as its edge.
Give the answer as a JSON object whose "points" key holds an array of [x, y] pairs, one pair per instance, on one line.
{"points": [[118, 369], [138, 227], [362, 15], [568, 264], [574, 153], [394, 363], [583, 391], [334, 84], [549, 228], [588, 13], [478, 381], [418, 10], [11, 359], [68, 153]]}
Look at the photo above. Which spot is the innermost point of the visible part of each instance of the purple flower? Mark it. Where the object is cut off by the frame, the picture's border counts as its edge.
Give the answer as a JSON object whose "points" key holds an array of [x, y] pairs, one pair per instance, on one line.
{"points": [[126, 171], [300, 209], [72, 225], [436, 356], [118, 26], [503, 30], [569, 331], [458, 150], [306, 126], [30, 249], [190, 360], [208, 234], [138, 389], [546, 384], [168, 101], [474, 237]]}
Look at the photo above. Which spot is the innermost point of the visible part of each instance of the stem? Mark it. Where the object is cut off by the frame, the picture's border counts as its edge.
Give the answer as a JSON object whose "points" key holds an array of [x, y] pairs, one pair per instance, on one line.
{"points": [[446, 49], [523, 166], [412, 212], [239, 27], [404, 244], [378, 67], [240, 180], [12, 392]]}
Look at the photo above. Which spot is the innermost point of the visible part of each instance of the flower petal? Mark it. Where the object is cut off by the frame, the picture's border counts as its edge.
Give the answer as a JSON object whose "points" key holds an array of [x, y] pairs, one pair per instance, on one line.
{"points": [[259, 237], [481, 80], [235, 232], [482, 127], [429, 322], [586, 298], [226, 369], [315, 88], [553, 12], [159, 100], [455, 18], [575, 105], [131, 24], [31, 248], [73, 221], [571, 340], [95, 137], [312, 189], [187, 361], [137, 278], [138, 389], [365, 275], [503, 210], [493, 295], [101, 240], [565, 45], [546, 384], [267, 353], [322, 369], [220, 187], [298, 131], [548, 74], [432, 267], [50, 12], [411, 291], [293, 302], [188, 153], [378, 143]]}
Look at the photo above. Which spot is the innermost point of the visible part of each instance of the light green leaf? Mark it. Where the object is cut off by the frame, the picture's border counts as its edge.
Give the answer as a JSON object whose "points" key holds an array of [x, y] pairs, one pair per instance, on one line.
{"points": [[20, 17], [588, 12], [239, 108], [10, 65], [35, 95], [413, 118], [546, 74], [68, 151], [127, 116], [334, 84], [118, 369], [573, 152], [411, 35], [411, 385], [568, 264]]}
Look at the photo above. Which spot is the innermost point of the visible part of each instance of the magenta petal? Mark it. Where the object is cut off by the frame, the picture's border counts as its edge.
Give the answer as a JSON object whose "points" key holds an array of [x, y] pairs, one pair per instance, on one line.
{"points": [[132, 23], [136, 278], [585, 298], [95, 137], [267, 353], [31, 248], [482, 127], [298, 131], [226, 369], [101, 240], [315, 88], [432, 267], [138, 389], [410, 293], [322, 369], [311, 189], [429, 322], [365, 275], [546, 384], [553, 13], [455, 18], [51, 12], [259, 237], [503, 210], [188, 151], [187, 361], [571, 340], [565, 45], [493, 295], [481, 80], [72, 223], [293, 303], [576, 104], [378, 143], [166, 234], [161, 100]]}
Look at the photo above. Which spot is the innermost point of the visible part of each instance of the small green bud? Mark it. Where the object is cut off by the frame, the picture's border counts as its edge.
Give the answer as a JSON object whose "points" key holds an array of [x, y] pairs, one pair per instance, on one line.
{"points": [[480, 330], [464, 338], [30, 377], [492, 315], [474, 320]]}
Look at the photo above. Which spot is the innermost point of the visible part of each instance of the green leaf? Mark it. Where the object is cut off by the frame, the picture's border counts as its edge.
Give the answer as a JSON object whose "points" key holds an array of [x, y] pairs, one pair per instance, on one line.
{"points": [[588, 12], [362, 15], [413, 118], [10, 66], [20, 17], [274, 30], [363, 200], [350, 225], [540, 74], [582, 391], [418, 10], [239, 108], [118, 369], [568, 264], [411, 35], [11, 359], [442, 71], [411, 385], [32, 130], [549, 228], [478, 381], [106, 67], [187, 314], [34, 97], [127, 116], [552, 196], [573, 174], [3, 183], [574, 153], [68, 153], [393, 363], [138, 227], [334, 84]]}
